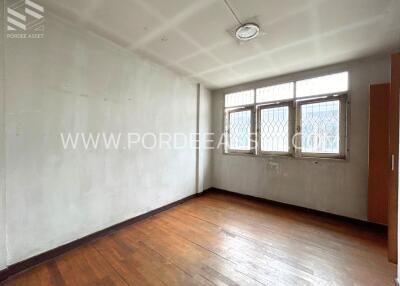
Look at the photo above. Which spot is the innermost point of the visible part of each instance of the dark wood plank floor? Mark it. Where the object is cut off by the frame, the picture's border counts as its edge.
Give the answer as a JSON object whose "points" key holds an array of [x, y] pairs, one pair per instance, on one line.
{"points": [[221, 239]]}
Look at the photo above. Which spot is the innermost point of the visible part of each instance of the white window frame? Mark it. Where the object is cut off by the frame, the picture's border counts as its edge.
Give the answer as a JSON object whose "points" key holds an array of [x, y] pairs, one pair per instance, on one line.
{"points": [[294, 123], [228, 112], [262, 107], [342, 98]]}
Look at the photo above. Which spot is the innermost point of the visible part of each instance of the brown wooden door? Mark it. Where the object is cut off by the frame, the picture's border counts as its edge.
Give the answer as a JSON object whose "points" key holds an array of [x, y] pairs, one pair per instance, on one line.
{"points": [[379, 168], [394, 152]]}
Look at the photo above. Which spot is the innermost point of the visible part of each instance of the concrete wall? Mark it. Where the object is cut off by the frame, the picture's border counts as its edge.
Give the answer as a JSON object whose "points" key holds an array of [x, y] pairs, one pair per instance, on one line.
{"points": [[3, 253], [74, 81], [205, 130], [338, 187]]}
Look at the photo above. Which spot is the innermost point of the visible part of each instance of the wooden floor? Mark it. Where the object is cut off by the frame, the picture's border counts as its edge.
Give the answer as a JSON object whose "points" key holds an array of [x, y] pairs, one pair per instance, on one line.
{"points": [[220, 239]]}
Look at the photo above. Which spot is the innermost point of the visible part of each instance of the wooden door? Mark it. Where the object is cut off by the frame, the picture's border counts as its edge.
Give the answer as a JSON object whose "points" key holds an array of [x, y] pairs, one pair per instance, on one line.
{"points": [[379, 168], [394, 152]]}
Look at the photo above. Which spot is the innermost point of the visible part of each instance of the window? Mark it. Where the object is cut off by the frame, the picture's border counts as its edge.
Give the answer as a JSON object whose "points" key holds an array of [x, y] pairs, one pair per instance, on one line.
{"points": [[329, 84], [275, 92], [322, 127], [306, 118], [274, 129], [239, 98], [239, 130]]}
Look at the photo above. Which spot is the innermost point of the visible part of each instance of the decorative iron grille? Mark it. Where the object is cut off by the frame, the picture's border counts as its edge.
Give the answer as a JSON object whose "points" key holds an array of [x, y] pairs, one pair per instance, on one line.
{"points": [[239, 130], [274, 129], [320, 123]]}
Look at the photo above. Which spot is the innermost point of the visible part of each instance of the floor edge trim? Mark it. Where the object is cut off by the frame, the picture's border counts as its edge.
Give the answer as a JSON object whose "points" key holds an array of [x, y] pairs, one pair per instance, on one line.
{"points": [[368, 224]]}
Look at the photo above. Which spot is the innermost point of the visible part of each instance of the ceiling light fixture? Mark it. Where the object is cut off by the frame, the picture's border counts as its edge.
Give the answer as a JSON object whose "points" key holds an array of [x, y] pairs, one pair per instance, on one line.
{"points": [[246, 31]]}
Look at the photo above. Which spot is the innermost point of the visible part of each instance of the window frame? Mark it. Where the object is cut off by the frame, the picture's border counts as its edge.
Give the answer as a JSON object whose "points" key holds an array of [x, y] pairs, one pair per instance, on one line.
{"points": [[289, 99], [343, 121], [272, 105], [321, 94], [228, 112], [294, 104]]}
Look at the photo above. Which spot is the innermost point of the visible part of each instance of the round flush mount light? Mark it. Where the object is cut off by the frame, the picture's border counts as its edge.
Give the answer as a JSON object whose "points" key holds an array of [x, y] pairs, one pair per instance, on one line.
{"points": [[247, 31]]}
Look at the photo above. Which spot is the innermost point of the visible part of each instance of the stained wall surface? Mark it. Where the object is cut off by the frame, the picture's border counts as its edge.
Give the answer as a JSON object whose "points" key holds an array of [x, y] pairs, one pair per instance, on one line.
{"points": [[334, 186], [73, 81]]}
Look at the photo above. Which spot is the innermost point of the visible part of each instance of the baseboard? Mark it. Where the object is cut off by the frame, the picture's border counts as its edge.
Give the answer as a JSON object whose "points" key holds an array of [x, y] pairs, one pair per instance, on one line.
{"points": [[370, 225], [4, 274], [33, 261]]}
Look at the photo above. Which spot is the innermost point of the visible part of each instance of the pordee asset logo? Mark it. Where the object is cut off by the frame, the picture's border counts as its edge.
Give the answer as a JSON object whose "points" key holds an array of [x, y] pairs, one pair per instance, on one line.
{"points": [[25, 19]]}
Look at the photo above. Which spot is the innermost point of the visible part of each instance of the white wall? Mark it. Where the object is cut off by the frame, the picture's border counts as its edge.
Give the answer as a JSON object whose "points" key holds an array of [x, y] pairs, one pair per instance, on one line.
{"points": [[205, 130], [3, 254], [74, 81], [338, 187]]}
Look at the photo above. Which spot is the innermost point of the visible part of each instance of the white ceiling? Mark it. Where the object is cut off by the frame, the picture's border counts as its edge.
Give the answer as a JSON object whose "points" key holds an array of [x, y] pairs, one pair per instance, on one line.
{"points": [[193, 37]]}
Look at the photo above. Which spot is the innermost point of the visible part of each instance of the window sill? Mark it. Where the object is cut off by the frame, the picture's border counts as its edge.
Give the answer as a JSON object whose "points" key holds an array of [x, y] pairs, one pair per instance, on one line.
{"points": [[289, 156]]}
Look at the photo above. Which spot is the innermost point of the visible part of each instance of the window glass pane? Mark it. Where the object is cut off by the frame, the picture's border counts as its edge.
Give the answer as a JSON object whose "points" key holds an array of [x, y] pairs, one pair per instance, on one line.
{"points": [[274, 129], [239, 98], [322, 85], [239, 130], [275, 92], [320, 127]]}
